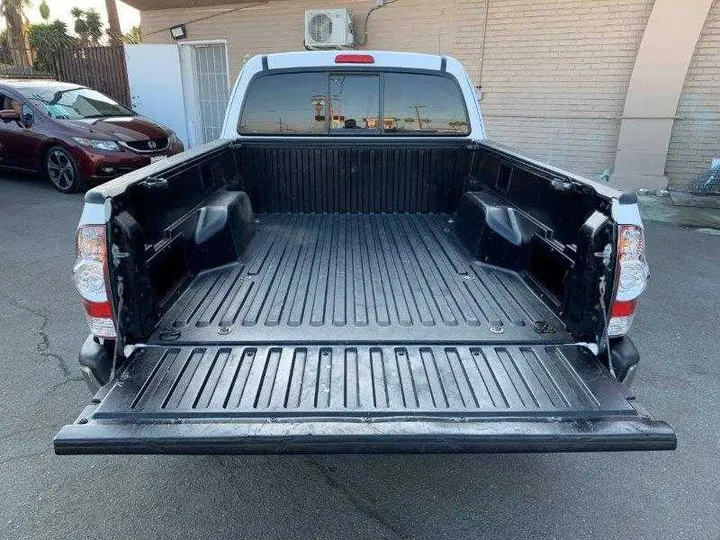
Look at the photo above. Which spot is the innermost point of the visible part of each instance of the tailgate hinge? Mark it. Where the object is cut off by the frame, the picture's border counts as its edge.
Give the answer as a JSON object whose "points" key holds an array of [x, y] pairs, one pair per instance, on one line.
{"points": [[117, 255]]}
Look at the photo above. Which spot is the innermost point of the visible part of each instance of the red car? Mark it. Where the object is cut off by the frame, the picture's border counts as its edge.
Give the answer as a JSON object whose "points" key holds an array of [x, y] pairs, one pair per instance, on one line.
{"points": [[75, 135]]}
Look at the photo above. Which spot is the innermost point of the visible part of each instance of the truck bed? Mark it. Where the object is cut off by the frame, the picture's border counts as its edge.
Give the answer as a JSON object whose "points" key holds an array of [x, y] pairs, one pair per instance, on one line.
{"points": [[358, 278], [360, 333]]}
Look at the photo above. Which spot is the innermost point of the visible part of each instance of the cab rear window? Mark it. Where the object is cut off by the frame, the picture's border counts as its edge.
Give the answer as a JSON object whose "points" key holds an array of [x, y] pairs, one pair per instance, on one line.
{"points": [[322, 103]]}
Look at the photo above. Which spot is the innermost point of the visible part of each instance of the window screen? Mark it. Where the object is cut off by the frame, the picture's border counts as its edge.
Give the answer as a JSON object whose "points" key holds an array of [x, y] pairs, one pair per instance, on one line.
{"points": [[319, 103]]}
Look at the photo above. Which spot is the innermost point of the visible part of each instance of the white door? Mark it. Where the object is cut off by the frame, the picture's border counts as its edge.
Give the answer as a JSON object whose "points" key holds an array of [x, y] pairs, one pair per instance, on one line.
{"points": [[206, 89], [156, 87]]}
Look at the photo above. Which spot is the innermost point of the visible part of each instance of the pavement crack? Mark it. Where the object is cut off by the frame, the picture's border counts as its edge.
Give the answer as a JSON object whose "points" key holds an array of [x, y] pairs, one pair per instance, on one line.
{"points": [[64, 382], [363, 505], [21, 457], [26, 431], [43, 345]]}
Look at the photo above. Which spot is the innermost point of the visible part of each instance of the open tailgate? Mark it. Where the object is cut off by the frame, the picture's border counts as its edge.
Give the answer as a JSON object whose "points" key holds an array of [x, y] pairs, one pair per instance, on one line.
{"points": [[338, 398]]}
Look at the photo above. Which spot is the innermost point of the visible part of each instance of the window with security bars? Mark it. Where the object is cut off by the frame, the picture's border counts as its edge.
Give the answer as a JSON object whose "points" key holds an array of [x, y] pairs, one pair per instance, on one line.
{"points": [[211, 89]]}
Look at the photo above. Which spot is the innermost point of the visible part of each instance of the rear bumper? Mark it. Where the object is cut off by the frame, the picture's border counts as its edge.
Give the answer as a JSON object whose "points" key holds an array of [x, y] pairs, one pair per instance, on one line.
{"points": [[391, 436], [95, 364]]}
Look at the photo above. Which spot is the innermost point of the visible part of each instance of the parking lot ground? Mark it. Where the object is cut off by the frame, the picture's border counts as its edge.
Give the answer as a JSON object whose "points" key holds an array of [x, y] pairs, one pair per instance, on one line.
{"points": [[668, 495]]}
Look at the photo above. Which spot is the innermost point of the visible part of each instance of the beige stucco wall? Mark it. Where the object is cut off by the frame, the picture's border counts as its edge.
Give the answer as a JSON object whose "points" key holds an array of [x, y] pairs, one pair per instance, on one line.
{"points": [[696, 132]]}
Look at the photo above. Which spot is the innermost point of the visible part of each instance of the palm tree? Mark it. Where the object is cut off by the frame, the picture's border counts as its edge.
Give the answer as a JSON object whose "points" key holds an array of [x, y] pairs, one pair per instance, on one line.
{"points": [[80, 26], [44, 11], [12, 11], [133, 37], [114, 31], [94, 26], [88, 25]]}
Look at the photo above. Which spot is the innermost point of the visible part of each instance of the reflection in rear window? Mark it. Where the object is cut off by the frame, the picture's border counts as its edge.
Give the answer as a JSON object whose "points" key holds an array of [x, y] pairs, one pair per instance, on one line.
{"points": [[289, 103], [318, 103], [423, 103], [354, 102]]}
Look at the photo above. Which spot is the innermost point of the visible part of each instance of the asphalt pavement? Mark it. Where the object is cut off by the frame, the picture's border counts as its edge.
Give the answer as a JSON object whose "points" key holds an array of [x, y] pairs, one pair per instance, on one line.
{"points": [[669, 495]]}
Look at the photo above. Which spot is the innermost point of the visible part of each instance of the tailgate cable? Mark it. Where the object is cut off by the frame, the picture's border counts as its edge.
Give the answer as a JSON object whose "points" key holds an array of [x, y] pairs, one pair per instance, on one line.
{"points": [[120, 288], [606, 335]]}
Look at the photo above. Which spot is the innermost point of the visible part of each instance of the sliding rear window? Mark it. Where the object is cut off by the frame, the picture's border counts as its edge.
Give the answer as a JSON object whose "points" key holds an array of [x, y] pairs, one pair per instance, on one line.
{"points": [[322, 103]]}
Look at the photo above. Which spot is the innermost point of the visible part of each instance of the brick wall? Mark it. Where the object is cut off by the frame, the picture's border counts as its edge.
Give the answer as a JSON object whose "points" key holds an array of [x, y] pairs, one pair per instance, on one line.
{"points": [[696, 132], [554, 76], [407, 25]]}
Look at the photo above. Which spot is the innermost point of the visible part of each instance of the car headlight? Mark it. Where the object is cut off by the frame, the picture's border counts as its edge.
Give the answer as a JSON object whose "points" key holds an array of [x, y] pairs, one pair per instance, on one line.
{"points": [[97, 144], [173, 139]]}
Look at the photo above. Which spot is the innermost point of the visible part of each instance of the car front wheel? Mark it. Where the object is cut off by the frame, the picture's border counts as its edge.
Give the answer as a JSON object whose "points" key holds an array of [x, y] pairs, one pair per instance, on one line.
{"points": [[62, 170]]}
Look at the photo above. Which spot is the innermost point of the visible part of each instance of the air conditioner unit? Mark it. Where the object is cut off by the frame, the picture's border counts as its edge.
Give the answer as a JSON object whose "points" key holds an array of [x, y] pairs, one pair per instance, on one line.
{"points": [[328, 28]]}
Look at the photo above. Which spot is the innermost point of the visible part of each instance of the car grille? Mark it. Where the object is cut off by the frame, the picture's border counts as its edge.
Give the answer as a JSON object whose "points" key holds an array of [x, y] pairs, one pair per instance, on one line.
{"points": [[154, 145]]}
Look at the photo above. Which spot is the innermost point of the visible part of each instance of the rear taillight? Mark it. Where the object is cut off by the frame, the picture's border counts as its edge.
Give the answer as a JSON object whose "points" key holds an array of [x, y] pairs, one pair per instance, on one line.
{"points": [[91, 276], [632, 279]]}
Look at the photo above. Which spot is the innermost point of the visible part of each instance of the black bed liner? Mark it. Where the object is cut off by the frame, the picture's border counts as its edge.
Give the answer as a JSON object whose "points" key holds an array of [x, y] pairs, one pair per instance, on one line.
{"points": [[361, 333], [334, 398], [358, 277]]}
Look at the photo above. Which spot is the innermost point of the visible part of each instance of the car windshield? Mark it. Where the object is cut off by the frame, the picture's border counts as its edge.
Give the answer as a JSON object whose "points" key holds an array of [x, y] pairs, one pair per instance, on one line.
{"points": [[75, 103]]}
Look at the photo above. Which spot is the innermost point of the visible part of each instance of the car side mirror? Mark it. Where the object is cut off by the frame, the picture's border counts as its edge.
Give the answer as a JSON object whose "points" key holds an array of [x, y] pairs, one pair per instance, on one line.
{"points": [[10, 115]]}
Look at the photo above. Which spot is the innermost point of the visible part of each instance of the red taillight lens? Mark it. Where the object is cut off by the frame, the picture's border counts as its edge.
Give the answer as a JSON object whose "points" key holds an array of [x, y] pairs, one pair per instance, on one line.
{"points": [[90, 274], [354, 59], [632, 278], [623, 309], [95, 309]]}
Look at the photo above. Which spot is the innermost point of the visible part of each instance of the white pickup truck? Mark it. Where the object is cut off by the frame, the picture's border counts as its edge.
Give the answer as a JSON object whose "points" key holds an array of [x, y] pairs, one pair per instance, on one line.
{"points": [[353, 267]]}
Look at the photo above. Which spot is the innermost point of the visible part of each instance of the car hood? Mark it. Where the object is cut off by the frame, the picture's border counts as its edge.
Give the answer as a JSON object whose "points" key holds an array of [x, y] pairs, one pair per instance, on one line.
{"points": [[121, 128]]}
